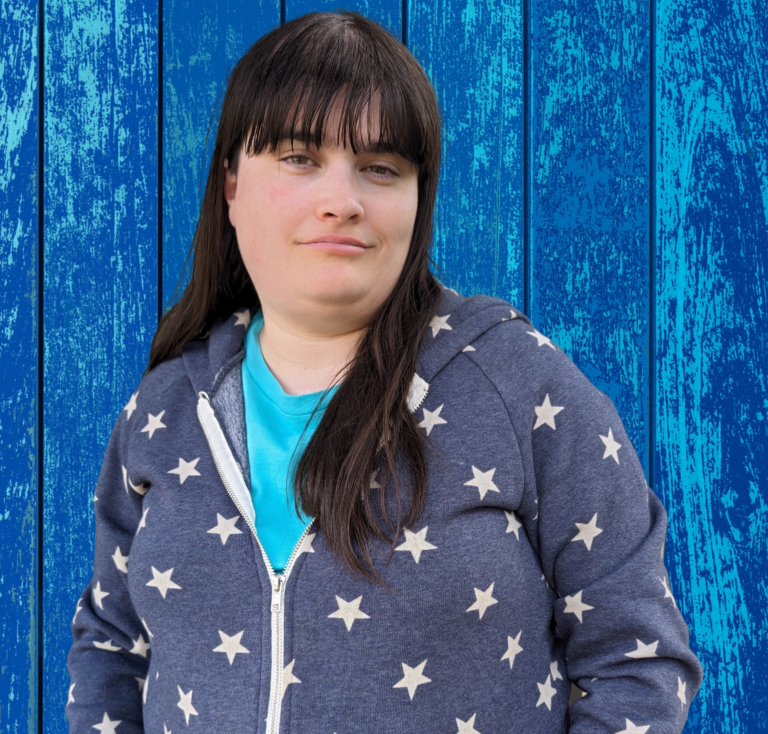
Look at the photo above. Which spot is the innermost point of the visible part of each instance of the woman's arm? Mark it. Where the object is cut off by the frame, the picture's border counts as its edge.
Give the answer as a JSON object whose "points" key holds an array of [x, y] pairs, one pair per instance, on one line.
{"points": [[109, 657], [599, 531]]}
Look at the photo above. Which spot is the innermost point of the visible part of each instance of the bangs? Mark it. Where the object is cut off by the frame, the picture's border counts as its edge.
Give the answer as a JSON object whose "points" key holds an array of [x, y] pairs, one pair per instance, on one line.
{"points": [[293, 100]]}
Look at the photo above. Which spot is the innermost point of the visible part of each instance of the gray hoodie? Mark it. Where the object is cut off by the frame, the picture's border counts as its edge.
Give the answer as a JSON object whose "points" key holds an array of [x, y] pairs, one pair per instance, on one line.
{"points": [[537, 563]]}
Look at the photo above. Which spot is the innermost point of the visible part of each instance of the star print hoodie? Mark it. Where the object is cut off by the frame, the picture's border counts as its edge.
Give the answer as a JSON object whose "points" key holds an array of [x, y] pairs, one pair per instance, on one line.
{"points": [[536, 564]]}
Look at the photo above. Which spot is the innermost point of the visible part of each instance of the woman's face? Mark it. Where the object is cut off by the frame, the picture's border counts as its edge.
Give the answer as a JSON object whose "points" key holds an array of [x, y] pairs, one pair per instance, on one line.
{"points": [[279, 202]]}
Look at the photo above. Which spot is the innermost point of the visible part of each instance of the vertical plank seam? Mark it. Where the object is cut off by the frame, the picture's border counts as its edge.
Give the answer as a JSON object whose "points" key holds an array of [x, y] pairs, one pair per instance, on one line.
{"points": [[160, 82], [404, 23], [652, 251], [526, 161], [38, 715]]}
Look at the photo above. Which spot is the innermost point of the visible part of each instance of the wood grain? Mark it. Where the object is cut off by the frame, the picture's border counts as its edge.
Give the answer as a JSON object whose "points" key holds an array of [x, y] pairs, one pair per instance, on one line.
{"points": [[473, 55], [711, 347], [589, 192], [100, 276], [19, 405]]}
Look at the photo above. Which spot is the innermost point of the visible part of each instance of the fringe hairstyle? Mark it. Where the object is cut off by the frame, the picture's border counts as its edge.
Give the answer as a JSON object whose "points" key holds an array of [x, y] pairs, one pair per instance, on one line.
{"points": [[297, 70]]}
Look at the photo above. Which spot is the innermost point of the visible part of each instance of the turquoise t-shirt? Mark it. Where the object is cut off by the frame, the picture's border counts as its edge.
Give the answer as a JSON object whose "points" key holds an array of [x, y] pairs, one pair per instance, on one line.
{"points": [[274, 421]]}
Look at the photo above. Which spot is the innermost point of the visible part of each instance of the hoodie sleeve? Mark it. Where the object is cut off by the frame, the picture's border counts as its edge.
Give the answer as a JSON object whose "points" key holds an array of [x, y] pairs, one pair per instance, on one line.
{"points": [[108, 660], [600, 531]]}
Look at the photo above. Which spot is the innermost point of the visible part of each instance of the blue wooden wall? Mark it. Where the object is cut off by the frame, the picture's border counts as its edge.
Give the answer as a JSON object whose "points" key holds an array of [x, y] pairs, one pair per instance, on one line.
{"points": [[605, 170]]}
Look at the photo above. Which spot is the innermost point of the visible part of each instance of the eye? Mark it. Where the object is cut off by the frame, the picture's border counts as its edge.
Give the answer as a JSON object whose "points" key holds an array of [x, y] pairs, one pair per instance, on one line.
{"points": [[384, 172]]}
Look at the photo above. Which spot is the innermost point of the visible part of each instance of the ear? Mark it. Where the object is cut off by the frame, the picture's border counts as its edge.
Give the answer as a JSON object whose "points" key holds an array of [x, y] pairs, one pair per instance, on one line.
{"points": [[230, 183]]}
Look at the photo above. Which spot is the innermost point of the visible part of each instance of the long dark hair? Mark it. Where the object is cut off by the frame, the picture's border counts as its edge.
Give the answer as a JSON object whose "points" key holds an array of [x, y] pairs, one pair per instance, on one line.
{"points": [[298, 70]]}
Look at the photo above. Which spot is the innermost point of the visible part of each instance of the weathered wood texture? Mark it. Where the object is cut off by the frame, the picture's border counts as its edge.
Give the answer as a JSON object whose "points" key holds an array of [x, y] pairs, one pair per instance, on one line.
{"points": [[19, 448], [711, 306], [201, 44], [605, 174], [473, 55], [589, 191], [100, 278]]}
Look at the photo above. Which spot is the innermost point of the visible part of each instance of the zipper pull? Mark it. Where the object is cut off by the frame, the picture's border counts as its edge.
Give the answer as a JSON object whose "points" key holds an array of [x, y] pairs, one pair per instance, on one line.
{"points": [[276, 592]]}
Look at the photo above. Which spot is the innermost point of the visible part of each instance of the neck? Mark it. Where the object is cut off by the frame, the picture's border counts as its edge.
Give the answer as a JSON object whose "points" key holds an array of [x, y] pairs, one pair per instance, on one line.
{"points": [[305, 361]]}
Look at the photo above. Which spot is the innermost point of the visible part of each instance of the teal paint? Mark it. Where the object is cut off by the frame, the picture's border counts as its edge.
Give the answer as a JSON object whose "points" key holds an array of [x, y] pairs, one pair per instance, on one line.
{"points": [[19, 120]]}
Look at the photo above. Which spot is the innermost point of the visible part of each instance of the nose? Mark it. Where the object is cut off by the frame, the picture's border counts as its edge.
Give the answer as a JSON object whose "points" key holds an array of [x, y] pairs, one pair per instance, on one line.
{"points": [[339, 194]]}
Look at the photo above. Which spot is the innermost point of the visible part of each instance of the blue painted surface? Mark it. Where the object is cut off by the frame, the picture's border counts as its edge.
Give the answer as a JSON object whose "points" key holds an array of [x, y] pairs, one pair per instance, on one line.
{"points": [[629, 221], [19, 449], [100, 279]]}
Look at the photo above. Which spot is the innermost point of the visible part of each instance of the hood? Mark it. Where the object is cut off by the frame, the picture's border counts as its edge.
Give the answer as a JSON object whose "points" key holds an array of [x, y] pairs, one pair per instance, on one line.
{"points": [[457, 323]]}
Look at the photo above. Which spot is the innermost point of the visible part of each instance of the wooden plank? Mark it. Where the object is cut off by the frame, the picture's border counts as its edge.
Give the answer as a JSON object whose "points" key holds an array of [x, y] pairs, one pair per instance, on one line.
{"points": [[201, 44], [711, 324], [589, 190], [473, 55], [100, 278], [387, 13], [19, 279]]}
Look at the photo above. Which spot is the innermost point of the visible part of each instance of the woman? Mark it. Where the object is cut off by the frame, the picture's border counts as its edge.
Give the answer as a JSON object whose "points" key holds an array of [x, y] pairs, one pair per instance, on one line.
{"points": [[353, 500]]}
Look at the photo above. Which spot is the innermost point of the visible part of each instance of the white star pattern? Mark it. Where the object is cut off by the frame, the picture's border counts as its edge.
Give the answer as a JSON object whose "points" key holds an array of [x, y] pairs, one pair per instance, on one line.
{"points": [[681, 691], [231, 645], [166, 730], [147, 628], [512, 315], [545, 413], [540, 338], [243, 318], [153, 423], [77, 609], [120, 560], [130, 407], [483, 480], [554, 672], [587, 532], [431, 419], [469, 348], [546, 693], [108, 646], [513, 524], [440, 322], [185, 704], [667, 590], [467, 727], [611, 446], [138, 488], [373, 484], [98, 595], [225, 527], [107, 725], [412, 678], [140, 646], [288, 677], [349, 611], [125, 479], [162, 581], [306, 545], [631, 728], [483, 600], [574, 605], [186, 469], [143, 521], [513, 648], [416, 543], [643, 650], [417, 392], [70, 696]]}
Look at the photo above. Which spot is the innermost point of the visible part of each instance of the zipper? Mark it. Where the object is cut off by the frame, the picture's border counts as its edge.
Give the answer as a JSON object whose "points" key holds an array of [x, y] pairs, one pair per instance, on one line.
{"points": [[234, 482], [237, 489]]}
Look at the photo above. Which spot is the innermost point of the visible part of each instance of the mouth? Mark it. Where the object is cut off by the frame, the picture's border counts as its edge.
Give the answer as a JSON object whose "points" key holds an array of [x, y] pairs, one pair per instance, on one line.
{"points": [[338, 248]]}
